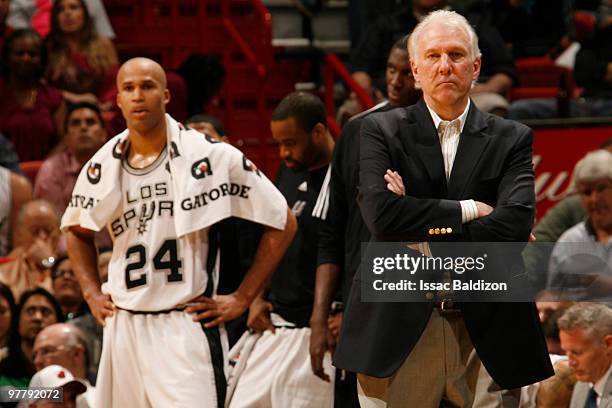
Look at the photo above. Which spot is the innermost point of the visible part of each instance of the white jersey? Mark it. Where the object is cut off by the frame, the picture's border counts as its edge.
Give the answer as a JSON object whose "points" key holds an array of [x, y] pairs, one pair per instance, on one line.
{"points": [[151, 269]]}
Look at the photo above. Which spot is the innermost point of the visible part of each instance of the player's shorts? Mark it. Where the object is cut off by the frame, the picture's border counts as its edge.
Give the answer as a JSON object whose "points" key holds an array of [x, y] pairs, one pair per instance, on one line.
{"points": [[160, 360], [278, 373]]}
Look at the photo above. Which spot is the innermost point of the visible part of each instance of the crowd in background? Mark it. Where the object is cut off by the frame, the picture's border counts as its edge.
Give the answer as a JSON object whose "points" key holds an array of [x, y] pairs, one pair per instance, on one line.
{"points": [[57, 92]]}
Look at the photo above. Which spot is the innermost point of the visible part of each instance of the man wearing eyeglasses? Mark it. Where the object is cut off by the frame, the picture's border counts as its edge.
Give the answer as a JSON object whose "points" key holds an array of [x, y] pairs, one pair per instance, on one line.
{"points": [[66, 289], [586, 246], [64, 345]]}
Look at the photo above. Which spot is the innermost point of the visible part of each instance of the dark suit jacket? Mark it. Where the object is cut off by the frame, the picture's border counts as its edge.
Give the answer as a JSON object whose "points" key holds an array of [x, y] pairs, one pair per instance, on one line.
{"points": [[493, 165]]}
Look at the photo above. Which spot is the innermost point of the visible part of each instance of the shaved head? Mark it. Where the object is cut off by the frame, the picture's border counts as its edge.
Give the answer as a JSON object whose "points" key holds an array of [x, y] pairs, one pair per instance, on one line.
{"points": [[141, 65], [142, 95]]}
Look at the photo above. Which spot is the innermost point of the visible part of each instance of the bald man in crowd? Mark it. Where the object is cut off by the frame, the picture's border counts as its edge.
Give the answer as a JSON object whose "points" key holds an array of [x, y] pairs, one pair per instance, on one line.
{"points": [[161, 189], [65, 345], [35, 239]]}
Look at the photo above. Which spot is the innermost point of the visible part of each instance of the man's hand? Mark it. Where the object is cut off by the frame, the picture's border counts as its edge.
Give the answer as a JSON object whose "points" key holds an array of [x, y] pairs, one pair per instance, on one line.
{"points": [[222, 308], [41, 248], [321, 340], [483, 209], [333, 323], [395, 184], [101, 306], [259, 316]]}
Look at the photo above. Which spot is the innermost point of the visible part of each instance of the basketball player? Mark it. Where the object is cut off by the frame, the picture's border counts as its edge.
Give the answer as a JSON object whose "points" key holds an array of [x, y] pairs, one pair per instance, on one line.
{"points": [[160, 190]]}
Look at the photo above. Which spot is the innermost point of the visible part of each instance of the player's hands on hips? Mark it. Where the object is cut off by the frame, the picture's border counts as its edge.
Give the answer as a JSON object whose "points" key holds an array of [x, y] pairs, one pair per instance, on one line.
{"points": [[259, 316], [321, 340], [101, 306], [222, 308], [395, 184]]}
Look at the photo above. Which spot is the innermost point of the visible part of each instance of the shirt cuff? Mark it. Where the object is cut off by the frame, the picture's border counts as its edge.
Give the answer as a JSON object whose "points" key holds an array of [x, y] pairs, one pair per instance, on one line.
{"points": [[469, 211]]}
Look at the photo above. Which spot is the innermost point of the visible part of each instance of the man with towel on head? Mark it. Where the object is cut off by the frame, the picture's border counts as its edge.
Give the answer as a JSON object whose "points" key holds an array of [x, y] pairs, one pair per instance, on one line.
{"points": [[160, 189]]}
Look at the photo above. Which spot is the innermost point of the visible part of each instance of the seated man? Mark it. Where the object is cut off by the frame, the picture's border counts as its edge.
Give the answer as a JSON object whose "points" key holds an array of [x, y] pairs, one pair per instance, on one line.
{"points": [[35, 238], [67, 290], [56, 377], [586, 337], [585, 246], [63, 344], [84, 134]]}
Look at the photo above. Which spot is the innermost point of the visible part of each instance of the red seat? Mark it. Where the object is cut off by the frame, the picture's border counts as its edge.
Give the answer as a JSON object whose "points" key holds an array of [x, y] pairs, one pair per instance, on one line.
{"points": [[539, 77], [30, 169]]}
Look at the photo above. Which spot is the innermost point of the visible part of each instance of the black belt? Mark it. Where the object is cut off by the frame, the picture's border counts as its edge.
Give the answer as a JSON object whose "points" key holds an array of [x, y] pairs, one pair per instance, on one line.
{"points": [[155, 312]]}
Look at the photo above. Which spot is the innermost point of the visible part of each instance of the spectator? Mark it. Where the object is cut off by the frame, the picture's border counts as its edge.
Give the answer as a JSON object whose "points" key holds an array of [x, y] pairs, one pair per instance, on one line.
{"points": [[35, 238], [15, 369], [56, 377], [586, 337], [593, 71], [84, 135], [5, 29], [63, 344], [209, 125], [590, 238], [36, 14], [81, 63], [67, 290], [497, 71], [31, 113], [15, 191], [533, 28], [564, 215], [36, 310]]}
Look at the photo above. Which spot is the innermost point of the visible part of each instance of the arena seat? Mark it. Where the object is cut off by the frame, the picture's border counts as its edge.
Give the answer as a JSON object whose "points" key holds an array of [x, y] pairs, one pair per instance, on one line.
{"points": [[539, 77], [30, 169]]}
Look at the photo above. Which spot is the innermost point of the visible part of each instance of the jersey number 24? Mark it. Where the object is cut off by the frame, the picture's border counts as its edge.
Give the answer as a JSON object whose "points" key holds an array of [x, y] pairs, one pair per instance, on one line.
{"points": [[171, 263]]}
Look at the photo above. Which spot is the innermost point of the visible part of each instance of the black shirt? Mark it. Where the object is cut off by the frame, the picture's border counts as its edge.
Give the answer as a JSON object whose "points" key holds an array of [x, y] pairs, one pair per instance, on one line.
{"points": [[344, 230], [292, 287], [590, 67]]}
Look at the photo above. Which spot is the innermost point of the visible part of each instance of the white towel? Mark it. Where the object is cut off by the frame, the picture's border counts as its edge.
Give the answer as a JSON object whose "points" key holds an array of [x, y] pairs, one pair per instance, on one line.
{"points": [[211, 181]]}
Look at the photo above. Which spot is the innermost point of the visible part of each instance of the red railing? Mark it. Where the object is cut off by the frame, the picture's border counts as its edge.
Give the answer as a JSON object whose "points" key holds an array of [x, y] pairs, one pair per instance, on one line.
{"points": [[263, 63], [334, 67]]}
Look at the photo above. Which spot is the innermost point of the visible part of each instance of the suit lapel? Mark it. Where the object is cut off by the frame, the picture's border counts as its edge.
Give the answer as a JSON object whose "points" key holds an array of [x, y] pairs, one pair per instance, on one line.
{"points": [[419, 125], [471, 145]]}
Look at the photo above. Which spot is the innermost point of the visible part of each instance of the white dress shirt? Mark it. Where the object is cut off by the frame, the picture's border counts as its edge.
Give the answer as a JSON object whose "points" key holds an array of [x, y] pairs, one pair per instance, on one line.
{"points": [[449, 133]]}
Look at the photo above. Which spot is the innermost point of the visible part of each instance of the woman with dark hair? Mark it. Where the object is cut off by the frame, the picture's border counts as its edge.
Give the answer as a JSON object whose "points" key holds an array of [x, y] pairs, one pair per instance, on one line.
{"points": [[15, 369], [80, 62], [37, 309], [31, 112]]}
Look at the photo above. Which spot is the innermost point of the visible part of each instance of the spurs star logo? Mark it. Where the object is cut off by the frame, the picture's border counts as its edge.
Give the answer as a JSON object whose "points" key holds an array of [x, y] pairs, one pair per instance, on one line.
{"points": [[249, 166], [118, 149], [94, 172], [145, 216], [201, 168]]}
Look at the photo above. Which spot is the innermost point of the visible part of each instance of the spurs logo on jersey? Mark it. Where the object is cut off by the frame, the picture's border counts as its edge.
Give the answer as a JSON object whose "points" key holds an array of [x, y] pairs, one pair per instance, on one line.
{"points": [[201, 168], [152, 268], [118, 149], [250, 166], [94, 172]]}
